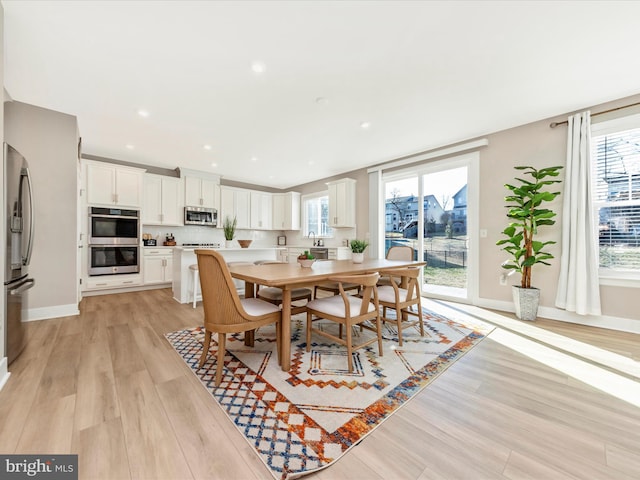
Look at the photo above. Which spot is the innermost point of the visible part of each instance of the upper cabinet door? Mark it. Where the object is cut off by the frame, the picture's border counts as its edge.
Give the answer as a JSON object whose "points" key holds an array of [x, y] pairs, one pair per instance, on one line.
{"points": [[162, 200], [152, 208], [235, 202], [192, 197], [109, 184], [101, 183], [129, 187], [261, 210], [342, 203], [201, 192], [172, 206], [286, 211]]}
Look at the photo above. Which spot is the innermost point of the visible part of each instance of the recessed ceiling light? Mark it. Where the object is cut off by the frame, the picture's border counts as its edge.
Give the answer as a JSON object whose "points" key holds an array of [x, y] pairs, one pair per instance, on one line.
{"points": [[365, 125], [311, 162], [207, 147], [130, 147], [254, 159], [214, 164], [143, 113], [322, 101], [258, 67]]}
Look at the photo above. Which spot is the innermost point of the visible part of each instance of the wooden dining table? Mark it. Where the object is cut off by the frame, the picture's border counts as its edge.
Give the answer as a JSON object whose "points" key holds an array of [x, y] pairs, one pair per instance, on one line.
{"points": [[288, 276]]}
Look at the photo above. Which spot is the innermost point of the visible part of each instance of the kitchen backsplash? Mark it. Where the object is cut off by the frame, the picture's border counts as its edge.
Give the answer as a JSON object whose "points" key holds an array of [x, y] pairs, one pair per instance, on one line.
{"points": [[199, 234], [261, 238]]}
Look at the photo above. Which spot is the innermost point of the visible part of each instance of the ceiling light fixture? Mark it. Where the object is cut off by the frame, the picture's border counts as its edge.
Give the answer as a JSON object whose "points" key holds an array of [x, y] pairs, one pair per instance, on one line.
{"points": [[207, 147], [129, 146], [322, 101], [143, 113], [254, 159], [365, 125], [258, 67], [214, 164]]}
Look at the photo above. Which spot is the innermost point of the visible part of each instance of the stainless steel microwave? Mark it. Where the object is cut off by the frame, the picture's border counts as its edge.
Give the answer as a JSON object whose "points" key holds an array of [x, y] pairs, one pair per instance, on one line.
{"points": [[201, 216]]}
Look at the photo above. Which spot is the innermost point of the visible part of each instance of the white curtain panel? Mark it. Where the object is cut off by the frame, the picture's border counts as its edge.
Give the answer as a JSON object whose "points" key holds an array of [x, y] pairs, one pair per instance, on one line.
{"points": [[578, 285]]}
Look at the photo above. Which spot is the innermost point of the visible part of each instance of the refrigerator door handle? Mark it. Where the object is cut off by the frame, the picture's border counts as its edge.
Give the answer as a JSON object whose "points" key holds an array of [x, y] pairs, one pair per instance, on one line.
{"points": [[27, 258], [24, 286]]}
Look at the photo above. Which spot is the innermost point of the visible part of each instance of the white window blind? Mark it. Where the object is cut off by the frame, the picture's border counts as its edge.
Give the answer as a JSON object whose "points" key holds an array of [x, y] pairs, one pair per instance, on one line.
{"points": [[616, 169]]}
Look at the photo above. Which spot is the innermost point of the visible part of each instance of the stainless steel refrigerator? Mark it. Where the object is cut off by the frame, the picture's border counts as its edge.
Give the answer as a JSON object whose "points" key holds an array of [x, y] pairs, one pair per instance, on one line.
{"points": [[19, 225]]}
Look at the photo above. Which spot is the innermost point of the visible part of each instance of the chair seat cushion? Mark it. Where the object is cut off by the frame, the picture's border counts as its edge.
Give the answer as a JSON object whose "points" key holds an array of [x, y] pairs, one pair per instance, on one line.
{"points": [[257, 307], [275, 293], [387, 294], [335, 305]]}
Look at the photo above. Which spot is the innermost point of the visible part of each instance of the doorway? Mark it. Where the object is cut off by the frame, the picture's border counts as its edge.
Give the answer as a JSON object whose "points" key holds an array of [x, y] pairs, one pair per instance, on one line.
{"points": [[433, 208]]}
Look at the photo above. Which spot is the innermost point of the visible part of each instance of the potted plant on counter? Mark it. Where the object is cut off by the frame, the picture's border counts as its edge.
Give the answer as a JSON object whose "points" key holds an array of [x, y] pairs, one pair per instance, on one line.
{"points": [[229, 227], [527, 214], [357, 250]]}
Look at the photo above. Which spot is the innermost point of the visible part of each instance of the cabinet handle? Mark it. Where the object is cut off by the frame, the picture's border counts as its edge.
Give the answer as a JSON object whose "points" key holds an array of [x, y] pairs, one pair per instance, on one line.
{"points": [[128, 281], [101, 284]]}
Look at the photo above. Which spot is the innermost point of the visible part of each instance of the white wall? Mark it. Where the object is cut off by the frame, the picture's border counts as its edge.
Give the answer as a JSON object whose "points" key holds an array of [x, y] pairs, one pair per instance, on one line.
{"points": [[3, 249], [49, 142], [538, 145]]}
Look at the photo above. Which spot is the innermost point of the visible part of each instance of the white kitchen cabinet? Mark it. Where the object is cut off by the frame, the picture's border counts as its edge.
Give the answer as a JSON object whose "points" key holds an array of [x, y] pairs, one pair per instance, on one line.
{"points": [[342, 203], [294, 252], [286, 211], [339, 253], [108, 282], [261, 210], [157, 265], [162, 200], [109, 184], [201, 192], [235, 202]]}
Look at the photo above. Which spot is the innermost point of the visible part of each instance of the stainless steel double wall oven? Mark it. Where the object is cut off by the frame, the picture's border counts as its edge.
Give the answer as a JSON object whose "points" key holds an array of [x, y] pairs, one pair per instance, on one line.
{"points": [[114, 241]]}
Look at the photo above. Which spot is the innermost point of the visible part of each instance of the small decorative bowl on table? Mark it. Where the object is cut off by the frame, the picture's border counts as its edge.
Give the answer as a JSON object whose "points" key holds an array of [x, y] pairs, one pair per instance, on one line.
{"points": [[306, 263], [245, 243]]}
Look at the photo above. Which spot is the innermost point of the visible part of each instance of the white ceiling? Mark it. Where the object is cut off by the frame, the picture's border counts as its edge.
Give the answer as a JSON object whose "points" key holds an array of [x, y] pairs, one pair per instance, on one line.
{"points": [[424, 74]]}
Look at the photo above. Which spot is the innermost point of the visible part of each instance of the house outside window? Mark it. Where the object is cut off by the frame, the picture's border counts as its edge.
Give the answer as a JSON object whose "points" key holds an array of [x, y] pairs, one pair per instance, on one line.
{"points": [[615, 155]]}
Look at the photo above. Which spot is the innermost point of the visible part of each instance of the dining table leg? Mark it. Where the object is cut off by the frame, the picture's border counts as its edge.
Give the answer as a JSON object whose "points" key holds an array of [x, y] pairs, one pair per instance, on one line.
{"points": [[249, 292], [285, 331]]}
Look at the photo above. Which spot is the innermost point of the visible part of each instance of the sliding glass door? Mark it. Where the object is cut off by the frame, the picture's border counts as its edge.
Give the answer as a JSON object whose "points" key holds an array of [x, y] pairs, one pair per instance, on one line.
{"points": [[433, 209]]}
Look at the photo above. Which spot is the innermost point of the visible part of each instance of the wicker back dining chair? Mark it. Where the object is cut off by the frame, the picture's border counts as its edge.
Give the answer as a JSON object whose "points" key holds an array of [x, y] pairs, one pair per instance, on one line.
{"points": [[347, 311], [397, 252], [224, 311], [401, 299]]}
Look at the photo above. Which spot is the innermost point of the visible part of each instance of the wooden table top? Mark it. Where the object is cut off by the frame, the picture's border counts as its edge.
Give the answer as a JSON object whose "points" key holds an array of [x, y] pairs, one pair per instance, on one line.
{"points": [[292, 274]]}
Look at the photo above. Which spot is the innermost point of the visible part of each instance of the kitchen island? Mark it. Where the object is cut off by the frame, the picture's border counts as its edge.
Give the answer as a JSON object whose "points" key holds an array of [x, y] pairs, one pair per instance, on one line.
{"points": [[184, 256]]}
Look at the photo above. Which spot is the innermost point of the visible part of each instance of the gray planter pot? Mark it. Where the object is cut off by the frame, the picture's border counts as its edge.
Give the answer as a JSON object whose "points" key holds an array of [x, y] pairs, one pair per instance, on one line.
{"points": [[526, 301]]}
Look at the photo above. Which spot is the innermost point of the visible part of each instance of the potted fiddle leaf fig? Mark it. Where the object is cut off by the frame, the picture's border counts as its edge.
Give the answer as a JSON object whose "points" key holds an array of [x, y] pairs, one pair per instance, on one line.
{"points": [[526, 202], [357, 250]]}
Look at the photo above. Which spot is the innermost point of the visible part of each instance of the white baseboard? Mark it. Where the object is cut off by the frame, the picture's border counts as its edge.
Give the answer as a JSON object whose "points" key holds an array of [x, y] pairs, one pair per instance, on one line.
{"points": [[4, 373], [603, 321], [54, 311]]}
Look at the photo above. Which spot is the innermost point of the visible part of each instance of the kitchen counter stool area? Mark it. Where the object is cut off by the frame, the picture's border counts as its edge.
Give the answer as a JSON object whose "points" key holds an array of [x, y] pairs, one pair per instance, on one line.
{"points": [[184, 257]]}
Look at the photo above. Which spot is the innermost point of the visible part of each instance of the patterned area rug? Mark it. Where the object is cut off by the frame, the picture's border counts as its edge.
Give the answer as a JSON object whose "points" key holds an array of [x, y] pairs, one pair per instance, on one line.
{"points": [[305, 419]]}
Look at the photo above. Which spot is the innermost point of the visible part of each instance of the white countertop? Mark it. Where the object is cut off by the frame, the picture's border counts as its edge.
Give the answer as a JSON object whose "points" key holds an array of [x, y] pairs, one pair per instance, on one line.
{"points": [[233, 249]]}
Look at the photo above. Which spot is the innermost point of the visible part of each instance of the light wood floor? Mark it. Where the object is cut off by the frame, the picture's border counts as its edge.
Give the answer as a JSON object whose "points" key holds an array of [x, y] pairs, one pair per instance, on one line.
{"points": [[107, 386]]}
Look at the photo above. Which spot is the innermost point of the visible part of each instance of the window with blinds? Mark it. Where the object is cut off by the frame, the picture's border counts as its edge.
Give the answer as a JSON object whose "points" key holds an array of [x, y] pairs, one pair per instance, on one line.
{"points": [[616, 172]]}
